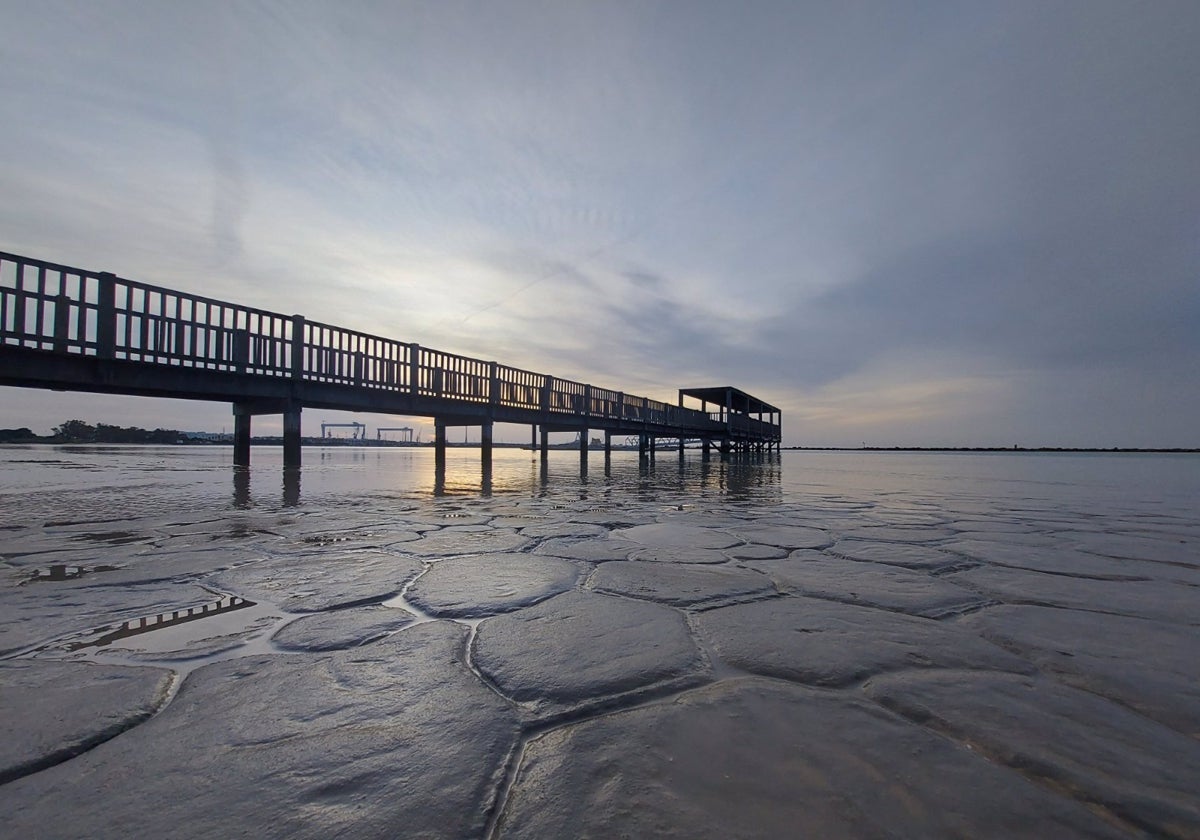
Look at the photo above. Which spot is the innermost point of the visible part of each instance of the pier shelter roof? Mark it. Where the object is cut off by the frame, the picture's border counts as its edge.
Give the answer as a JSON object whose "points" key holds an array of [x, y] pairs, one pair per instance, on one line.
{"points": [[737, 400]]}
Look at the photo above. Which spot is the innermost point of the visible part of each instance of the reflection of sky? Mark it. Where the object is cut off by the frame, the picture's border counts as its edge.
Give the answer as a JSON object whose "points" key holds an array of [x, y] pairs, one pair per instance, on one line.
{"points": [[1087, 484], [517, 475], [106, 484], [953, 224], [37, 483]]}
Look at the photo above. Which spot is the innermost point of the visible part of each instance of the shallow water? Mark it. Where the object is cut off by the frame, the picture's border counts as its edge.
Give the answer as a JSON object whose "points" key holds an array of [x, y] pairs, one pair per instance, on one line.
{"points": [[42, 483]]}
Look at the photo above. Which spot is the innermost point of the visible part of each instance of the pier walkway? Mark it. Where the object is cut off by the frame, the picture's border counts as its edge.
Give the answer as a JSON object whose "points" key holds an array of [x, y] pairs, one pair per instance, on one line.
{"points": [[71, 329]]}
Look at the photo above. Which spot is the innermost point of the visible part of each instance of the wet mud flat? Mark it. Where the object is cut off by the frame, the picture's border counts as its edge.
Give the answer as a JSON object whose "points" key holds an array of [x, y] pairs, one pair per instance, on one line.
{"points": [[836, 665]]}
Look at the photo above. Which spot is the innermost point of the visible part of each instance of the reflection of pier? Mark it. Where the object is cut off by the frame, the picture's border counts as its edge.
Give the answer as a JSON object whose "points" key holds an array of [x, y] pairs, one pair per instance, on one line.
{"points": [[61, 571], [71, 329], [740, 475], [148, 624]]}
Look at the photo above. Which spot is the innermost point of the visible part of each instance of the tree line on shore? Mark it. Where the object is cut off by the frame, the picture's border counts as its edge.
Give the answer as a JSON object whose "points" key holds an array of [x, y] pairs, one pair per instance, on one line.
{"points": [[77, 431]]}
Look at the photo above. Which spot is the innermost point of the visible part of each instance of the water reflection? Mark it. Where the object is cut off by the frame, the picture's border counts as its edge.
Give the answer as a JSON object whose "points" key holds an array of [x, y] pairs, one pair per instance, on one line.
{"points": [[352, 473], [243, 478], [334, 454], [241, 487], [61, 572], [48, 484], [462, 481], [291, 486], [104, 636], [747, 477], [159, 621], [741, 477]]}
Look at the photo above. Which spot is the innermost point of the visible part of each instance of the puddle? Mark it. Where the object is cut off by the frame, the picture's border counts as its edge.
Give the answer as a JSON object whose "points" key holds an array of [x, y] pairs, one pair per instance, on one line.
{"points": [[66, 523], [110, 537], [148, 624], [332, 539], [229, 622]]}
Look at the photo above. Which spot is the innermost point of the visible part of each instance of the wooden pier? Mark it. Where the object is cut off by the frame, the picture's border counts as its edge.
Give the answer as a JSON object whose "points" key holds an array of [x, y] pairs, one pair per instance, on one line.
{"points": [[70, 329]]}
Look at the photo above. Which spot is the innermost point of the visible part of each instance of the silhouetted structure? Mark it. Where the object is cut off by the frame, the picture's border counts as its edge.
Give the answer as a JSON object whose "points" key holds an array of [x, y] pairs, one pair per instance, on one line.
{"points": [[71, 329]]}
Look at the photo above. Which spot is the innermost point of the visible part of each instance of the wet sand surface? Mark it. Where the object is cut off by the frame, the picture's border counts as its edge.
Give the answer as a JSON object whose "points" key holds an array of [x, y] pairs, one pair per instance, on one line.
{"points": [[813, 644]]}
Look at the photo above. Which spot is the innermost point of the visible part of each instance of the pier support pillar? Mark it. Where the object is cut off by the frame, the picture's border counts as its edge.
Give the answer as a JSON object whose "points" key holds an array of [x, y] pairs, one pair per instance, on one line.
{"points": [[706, 449], [533, 440], [291, 437], [607, 445], [583, 444], [241, 439], [653, 446], [642, 439], [485, 446], [439, 446], [545, 443]]}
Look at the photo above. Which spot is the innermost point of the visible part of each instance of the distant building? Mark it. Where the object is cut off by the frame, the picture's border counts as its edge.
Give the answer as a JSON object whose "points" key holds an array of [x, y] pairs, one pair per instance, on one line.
{"points": [[210, 437]]}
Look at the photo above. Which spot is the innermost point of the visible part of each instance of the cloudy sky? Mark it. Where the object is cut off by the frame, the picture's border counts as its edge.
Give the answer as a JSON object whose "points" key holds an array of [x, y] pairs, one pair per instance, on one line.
{"points": [[958, 223]]}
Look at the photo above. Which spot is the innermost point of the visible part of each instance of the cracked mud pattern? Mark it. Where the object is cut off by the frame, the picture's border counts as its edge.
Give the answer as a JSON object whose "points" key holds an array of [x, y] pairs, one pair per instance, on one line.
{"points": [[828, 645]]}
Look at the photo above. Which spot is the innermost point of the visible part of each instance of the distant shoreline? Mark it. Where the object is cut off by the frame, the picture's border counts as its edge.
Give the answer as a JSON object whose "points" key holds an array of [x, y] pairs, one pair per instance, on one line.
{"points": [[390, 444], [78, 432], [1063, 449]]}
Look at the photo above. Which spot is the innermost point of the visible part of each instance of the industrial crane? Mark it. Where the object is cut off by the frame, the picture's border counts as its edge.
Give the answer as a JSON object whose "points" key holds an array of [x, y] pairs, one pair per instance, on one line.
{"points": [[407, 431], [360, 429]]}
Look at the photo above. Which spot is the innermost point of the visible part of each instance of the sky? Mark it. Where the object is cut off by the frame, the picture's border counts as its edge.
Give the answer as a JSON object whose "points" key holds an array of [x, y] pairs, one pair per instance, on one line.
{"points": [[903, 223]]}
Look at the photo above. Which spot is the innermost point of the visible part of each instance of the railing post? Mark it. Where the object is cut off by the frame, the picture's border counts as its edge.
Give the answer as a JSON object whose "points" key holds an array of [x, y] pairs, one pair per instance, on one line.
{"points": [[18, 311], [18, 299], [546, 387], [587, 401], [62, 322], [494, 386], [414, 368], [241, 350], [106, 315], [297, 347]]}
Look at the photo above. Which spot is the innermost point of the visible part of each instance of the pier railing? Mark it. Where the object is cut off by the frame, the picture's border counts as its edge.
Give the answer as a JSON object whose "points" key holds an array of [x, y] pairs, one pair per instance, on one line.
{"points": [[51, 307]]}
